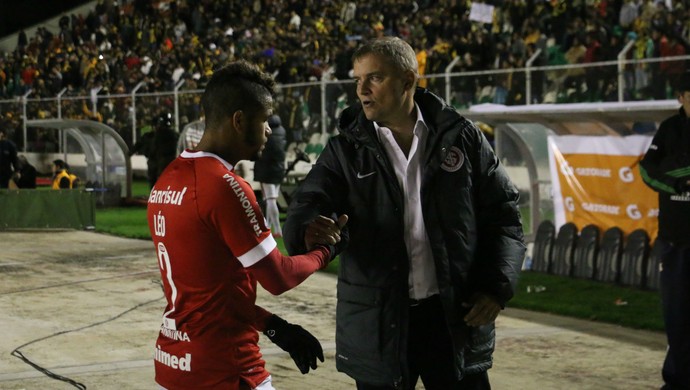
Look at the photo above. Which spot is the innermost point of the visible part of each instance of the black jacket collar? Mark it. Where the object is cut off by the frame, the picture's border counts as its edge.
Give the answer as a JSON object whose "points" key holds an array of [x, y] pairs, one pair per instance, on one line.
{"points": [[438, 116]]}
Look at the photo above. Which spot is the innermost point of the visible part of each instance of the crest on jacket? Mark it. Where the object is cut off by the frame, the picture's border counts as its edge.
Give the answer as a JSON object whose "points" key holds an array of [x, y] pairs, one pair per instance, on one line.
{"points": [[454, 160]]}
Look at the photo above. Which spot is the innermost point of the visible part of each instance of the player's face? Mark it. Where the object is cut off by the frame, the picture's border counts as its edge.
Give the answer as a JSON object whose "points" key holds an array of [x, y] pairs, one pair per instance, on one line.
{"points": [[257, 133], [381, 89]]}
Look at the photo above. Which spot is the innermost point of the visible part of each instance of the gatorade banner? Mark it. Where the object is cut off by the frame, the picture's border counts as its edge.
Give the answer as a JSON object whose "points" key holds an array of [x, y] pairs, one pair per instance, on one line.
{"points": [[596, 180]]}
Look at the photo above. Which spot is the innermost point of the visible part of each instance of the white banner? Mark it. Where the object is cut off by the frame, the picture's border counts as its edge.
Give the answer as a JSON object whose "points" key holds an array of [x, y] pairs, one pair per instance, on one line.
{"points": [[480, 12]]}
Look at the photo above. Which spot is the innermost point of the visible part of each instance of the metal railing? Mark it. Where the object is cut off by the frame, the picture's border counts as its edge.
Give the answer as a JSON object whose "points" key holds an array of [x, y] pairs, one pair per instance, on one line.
{"points": [[319, 103]]}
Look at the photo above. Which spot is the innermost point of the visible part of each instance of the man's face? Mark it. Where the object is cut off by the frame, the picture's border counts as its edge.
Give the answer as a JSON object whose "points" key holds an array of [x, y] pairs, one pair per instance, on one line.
{"points": [[684, 99], [381, 89]]}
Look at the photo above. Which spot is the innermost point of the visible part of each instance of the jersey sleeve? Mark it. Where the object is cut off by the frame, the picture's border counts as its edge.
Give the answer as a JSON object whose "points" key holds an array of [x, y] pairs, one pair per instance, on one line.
{"points": [[232, 209], [278, 273], [261, 317]]}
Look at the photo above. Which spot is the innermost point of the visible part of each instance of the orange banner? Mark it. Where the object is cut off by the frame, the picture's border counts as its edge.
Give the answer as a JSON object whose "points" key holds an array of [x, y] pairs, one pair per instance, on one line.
{"points": [[596, 181]]}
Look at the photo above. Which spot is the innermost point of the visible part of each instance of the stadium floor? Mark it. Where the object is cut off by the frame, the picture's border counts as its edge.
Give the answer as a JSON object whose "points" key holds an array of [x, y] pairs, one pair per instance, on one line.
{"points": [[87, 306]]}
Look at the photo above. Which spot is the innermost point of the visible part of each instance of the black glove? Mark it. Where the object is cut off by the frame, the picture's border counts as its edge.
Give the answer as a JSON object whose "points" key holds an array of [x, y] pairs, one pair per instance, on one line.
{"points": [[300, 344]]}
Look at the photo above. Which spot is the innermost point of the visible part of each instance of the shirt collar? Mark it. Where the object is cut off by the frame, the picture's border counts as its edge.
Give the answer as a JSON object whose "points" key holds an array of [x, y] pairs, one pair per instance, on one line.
{"points": [[419, 126]]}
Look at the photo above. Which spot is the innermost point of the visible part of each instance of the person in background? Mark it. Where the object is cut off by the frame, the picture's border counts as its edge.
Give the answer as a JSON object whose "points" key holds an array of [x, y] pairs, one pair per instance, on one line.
{"points": [[144, 146], [213, 246], [62, 177], [164, 143], [292, 117], [435, 236], [665, 168], [8, 160], [269, 170], [25, 177]]}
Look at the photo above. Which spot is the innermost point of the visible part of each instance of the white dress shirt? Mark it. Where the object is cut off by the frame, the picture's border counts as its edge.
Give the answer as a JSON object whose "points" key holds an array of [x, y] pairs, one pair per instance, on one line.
{"points": [[422, 278]]}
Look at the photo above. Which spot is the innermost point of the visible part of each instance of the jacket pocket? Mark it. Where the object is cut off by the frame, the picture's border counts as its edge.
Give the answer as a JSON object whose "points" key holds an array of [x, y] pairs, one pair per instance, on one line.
{"points": [[358, 321], [479, 349]]}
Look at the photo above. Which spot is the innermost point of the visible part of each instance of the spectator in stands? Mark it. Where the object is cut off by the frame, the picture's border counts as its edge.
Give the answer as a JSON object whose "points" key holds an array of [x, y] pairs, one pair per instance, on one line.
{"points": [[628, 13], [292, 116], [62, 177], [665, 168], [592, 74], [575, 76], [417, 180], [25, 177], [671, 70], [214, 247], [269, 170], [8, 159], [127, 32]]}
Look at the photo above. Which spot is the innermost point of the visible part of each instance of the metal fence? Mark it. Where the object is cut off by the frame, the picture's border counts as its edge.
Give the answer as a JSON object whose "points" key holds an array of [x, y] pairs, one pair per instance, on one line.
{"points": [[306, 108]]}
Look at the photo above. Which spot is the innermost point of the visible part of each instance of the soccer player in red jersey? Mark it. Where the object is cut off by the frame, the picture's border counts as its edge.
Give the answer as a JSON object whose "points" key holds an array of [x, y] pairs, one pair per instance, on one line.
{"points": [[213, 247]]}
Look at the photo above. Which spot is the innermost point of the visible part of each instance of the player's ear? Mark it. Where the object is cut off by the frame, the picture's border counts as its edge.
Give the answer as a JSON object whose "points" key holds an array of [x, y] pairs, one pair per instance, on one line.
{"points": [[237, 119]]}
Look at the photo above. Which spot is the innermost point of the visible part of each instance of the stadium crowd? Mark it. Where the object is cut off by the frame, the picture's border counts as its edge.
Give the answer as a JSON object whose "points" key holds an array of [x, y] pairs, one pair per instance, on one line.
{"points": [[119, 44]]}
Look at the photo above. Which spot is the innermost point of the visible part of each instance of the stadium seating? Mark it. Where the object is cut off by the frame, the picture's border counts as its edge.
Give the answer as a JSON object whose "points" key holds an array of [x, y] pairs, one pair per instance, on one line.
{"points": [[653, 264], [609, 258], [586, 250], [634, 259], [543, 247], [564, 248]]}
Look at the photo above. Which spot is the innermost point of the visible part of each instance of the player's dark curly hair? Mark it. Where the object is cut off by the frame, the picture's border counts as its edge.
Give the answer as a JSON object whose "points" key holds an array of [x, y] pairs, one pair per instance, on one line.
{"points": [[239, 85]]}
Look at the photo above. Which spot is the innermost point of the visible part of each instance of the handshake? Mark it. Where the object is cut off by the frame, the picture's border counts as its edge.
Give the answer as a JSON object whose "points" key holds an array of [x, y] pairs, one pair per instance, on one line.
{"points": [[302, 346], [327, 232]]}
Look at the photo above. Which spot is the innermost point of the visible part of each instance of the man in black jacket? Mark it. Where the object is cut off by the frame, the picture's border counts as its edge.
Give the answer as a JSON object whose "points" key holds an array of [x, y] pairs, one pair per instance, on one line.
{"points": [[25, 177], [8, 160], [269, 170], [164, 142], [435, 236], [665, 168]]}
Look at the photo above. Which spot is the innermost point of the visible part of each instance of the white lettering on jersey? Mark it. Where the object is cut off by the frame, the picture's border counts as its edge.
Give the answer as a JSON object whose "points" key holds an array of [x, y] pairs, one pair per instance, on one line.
{"points": [[246, 204], [167, 196], [159, 224], [175, 334], [172, 361], [164, 262]]}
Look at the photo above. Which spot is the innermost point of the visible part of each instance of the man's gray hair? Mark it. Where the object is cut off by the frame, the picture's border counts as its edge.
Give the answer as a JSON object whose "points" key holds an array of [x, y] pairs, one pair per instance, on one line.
{"points": [[398, 52]]}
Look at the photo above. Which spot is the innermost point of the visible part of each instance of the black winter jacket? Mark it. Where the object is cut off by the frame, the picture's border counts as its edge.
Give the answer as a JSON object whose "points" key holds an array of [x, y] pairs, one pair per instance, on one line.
{"points": [[270, 167], [665, 168], [471, 217]]}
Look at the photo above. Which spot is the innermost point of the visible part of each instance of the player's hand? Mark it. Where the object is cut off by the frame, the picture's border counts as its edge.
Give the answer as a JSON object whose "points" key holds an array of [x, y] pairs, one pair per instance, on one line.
{"points": [[484, 310], [324, 231], [302, 346]]}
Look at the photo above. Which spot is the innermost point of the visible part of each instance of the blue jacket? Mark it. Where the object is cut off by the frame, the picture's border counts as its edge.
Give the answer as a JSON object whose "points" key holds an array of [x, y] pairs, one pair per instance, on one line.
{"points": [[472, 220]]}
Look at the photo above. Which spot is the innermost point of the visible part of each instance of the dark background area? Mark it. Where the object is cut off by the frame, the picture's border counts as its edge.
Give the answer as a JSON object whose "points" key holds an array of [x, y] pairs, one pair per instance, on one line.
{"points": [[17, 14]]}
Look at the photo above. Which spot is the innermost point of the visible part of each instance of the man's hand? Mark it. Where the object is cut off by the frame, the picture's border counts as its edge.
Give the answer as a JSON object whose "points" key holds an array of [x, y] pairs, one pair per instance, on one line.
{"points": [[324, 231], [293, 339], [484, 310]]}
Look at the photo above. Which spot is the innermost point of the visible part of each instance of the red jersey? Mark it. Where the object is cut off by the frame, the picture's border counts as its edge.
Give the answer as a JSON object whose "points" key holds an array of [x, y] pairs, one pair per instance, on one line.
{"points": [[207, 228]]}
